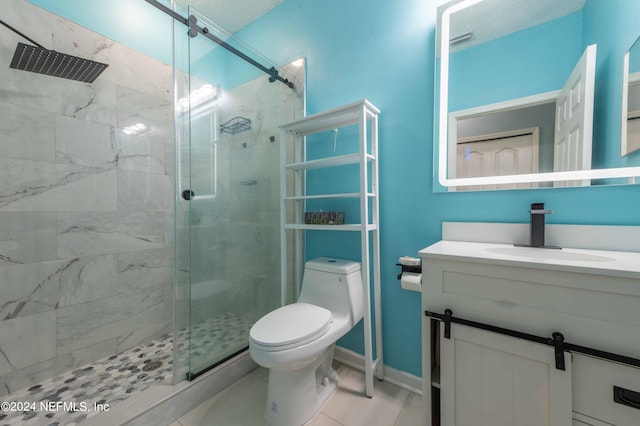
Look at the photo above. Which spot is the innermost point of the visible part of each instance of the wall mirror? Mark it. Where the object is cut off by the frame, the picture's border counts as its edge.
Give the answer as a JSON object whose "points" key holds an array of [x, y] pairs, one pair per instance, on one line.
{"points": [[528, 94], [631, 101]]}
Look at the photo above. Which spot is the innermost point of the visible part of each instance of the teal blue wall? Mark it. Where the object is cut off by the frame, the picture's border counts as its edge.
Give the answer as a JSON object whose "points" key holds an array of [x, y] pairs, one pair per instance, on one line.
{"points": [[634, 58], [384, 51], [542, 56]]}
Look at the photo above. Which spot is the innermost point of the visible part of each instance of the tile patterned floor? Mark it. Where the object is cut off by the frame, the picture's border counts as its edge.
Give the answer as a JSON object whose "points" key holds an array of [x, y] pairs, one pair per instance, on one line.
{"points": [[115, 378], [243, 404], [215, 338]]}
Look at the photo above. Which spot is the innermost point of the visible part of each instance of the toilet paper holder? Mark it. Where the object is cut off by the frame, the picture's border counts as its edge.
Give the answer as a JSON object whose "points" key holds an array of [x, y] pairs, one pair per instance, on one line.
{"points": [[408, 268]]}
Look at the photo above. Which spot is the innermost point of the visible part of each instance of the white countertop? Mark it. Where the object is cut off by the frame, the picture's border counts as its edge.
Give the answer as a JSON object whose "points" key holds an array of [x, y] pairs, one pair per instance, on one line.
{"points": [[600, 262]]}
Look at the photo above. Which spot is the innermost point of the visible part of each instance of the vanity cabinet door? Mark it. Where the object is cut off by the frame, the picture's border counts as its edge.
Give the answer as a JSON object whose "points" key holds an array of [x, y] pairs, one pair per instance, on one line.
{"points": [[581, 420], [489, 379], [593, 382]]}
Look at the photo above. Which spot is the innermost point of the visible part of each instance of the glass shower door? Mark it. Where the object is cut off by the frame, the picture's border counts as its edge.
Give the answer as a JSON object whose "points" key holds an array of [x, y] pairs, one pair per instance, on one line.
{"points": [[232, 193]]}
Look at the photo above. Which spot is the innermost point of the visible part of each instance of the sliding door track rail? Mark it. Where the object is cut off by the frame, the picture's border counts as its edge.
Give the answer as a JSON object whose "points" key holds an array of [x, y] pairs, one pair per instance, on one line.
{"points": [[195, 29], [556, 340]]}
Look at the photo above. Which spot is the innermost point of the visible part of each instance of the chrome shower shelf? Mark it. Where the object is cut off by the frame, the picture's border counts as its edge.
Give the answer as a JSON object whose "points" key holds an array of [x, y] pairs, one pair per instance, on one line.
{"points": [[236, 125]]}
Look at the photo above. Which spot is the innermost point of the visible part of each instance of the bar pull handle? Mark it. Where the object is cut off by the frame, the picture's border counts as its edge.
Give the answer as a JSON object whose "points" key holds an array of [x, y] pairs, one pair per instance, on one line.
{"points": [[626, 397]]}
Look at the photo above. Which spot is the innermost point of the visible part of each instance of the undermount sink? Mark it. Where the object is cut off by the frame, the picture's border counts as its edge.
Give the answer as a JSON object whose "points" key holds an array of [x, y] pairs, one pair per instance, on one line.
{"points": [[534, 253], [603, 262]]}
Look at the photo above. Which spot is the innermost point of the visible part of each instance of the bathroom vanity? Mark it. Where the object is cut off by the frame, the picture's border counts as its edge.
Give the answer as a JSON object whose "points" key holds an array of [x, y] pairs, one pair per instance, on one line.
{"points": [[521, 335], [531, 336]]}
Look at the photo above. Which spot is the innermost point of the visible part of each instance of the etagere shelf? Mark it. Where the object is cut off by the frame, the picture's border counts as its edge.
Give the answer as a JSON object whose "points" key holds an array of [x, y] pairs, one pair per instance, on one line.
{"points": [[360, 113]]}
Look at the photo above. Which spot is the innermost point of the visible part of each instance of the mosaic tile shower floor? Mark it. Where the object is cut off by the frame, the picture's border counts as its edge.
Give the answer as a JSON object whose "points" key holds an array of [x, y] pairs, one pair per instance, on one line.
{"points": [[116, 378]]}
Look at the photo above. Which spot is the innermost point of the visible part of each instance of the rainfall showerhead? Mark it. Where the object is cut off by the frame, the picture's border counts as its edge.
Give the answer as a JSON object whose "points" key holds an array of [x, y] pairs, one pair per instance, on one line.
{"points": [[49, 62]]}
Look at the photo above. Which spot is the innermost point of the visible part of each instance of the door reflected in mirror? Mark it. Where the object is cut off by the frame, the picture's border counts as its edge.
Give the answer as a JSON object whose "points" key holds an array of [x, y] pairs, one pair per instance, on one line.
{"points": [[565, 116], [514, 141], [504, 67]]}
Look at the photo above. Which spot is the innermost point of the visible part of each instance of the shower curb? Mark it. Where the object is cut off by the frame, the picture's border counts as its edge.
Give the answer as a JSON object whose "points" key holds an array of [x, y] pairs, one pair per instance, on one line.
{"points": [[162, 405]]}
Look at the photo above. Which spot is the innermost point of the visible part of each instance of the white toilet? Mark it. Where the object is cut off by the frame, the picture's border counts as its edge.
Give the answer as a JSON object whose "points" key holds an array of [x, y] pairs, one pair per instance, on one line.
{"points": [[296, 342]]}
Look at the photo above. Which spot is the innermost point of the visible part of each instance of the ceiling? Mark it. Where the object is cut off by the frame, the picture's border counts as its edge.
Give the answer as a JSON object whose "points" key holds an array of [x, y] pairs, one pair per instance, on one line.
{"points": [[232, 15]]}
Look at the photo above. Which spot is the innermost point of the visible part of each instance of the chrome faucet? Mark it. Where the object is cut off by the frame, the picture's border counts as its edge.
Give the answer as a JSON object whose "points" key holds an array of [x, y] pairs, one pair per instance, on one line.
{"points": [[538, 213]]}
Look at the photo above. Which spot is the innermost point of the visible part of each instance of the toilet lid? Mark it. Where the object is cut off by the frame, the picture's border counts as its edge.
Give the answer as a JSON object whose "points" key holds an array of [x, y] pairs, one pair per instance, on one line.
{"points": [[290, 324]]}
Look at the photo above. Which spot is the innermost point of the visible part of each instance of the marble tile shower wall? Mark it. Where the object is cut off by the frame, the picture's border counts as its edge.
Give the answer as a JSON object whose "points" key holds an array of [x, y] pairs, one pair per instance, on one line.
{"points": [[237, 244], [86, 206]]}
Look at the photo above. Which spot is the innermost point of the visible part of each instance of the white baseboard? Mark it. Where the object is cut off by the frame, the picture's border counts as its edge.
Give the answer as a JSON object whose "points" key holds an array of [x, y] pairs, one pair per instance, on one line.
{"points": [[397, 377]]}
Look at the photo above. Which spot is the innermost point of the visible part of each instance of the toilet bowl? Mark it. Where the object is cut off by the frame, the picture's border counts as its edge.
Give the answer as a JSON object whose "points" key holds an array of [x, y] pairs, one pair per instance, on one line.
{"points": [[296, 342]]}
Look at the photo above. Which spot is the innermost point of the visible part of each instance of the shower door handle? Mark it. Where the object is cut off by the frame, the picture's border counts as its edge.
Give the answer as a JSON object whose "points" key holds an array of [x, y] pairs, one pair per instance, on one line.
{"points": [[188, 194]]}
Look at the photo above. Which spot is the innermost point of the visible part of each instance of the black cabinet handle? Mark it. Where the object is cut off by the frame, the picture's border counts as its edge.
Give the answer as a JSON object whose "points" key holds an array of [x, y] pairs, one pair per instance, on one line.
{"points": [[626, 397]]}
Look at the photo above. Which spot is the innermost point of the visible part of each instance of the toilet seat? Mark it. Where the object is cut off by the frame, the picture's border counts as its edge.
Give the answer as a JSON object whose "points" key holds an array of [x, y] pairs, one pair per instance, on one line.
{"points": [[290, 326]]}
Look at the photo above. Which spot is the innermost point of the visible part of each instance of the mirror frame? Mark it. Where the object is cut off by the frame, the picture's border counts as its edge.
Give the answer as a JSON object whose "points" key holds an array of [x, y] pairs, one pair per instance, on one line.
{"points": [[442, 109]]}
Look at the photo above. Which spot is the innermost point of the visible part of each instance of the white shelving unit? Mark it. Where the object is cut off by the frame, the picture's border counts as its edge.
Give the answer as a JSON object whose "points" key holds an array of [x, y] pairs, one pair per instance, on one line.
{"points": [[359, 113]]}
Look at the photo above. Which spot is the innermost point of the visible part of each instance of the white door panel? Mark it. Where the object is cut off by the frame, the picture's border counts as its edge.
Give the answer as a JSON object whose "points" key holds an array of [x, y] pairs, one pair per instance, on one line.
{"points": [[499, 155], [574, 118]]}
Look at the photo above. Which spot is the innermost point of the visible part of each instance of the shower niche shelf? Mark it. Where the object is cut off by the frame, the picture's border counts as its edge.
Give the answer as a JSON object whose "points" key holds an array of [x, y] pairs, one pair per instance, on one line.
{"points": [[364, 115]]}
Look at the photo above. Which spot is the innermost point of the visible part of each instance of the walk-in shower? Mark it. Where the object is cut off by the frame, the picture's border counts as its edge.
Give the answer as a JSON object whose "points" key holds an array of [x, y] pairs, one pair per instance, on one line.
{"points": [[138, 241]]}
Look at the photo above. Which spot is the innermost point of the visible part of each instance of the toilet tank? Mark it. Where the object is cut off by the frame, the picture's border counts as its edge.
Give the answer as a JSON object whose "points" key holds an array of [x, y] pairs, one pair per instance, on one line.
{"points": [[334, 284]]}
